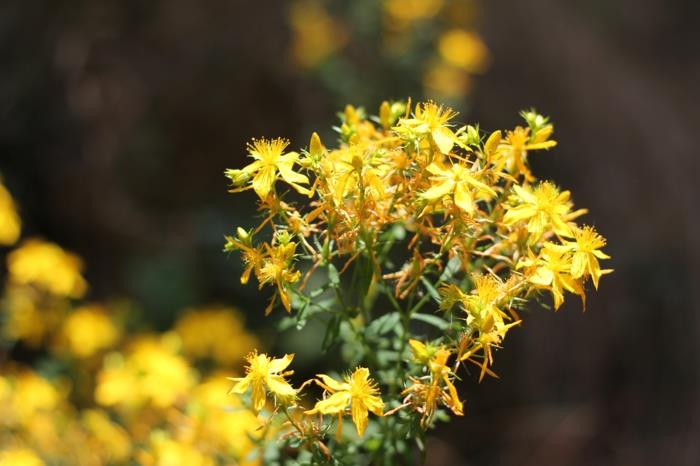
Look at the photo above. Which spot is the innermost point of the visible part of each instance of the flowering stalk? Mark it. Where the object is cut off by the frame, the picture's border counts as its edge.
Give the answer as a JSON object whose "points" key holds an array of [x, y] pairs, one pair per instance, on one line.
{"points": [[424, 242]]}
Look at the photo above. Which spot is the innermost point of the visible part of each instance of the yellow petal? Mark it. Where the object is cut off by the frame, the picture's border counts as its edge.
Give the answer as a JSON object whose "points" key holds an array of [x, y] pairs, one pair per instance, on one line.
{"points": [[359, 416], [375, 405], [455, 404], [600, 254], [578, 264], [525, 194], [463, 198], [263, 181], [334, 404], [288, 174], [542, 276], [436, 169], [541, 145], [522, 212], [491, 144], [280, 364], [241, 386], [258, 396], [444, 138], [330, 384], [280, 387], [439, 190]]}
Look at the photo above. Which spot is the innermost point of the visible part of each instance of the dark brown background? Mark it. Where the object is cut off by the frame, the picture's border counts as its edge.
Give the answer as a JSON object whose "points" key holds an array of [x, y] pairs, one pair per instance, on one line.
{"points": [[118, 118]]}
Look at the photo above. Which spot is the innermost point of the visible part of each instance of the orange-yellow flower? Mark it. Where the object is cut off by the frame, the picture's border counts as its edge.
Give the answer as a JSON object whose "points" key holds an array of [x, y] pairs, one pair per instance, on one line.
{"points": [[265, 375], [544, 208], [270, 162], [358, 391], [459, 181], [586, 252]]}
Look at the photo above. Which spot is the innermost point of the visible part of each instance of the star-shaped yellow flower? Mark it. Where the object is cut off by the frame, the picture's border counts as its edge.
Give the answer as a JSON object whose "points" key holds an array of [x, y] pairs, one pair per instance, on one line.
{"points": [[544, 208], [270, 161], [586, 252], [458, 181], [431, 119], [265, 375], [358, 391]]}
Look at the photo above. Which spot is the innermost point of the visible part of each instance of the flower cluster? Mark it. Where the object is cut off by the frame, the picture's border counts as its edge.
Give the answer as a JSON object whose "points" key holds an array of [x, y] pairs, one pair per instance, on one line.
{"points": [[423, 240], [91, 393]]}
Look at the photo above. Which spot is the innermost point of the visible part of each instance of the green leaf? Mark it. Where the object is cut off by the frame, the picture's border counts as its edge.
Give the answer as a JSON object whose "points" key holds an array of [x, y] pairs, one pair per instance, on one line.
{"points": [[431, 290], [435, 321], [383, 324], [333, 276]]}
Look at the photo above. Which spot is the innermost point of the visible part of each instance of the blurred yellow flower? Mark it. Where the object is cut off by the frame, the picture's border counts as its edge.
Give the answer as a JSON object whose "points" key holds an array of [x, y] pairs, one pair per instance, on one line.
{"points": [[315, 34], [463, 49], [406, 11], [166, 451], [47, 266], [22, 319], [10, 223], [88, 330], [358, 391], [151, 372], [108, 436], [216, 333], [265, 374], [443, 81], [19, 457], [221, 422], [29, 395]]}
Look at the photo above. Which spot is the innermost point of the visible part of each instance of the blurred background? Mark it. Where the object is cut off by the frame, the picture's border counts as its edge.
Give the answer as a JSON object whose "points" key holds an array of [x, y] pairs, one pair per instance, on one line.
{"points": [[117, 120]]}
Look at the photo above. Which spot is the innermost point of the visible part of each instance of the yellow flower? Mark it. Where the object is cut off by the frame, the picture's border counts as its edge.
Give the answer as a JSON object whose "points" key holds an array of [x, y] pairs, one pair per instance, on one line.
{"points": [[19, 457], [10, 224], [543, 208], [458, 181], [264, 374], [412, 10], [512, 152], [47, 266], [485, 318], [431, 119], [358, 391], [551, 270], [425, 396], [165, 451], [270, 161], [446, 81], [252, 256], [23, 319], [482, 304], [316, 35], [88, 330], [220, 421], [464, 49], [107, 435], [151, 372], [216, 333], [32, 396], [277, 268], [586, 252]]}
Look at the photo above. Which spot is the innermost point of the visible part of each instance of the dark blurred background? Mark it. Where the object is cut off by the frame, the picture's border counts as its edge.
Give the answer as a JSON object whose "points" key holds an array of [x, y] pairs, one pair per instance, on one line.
{"points": [[117, 120]]}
